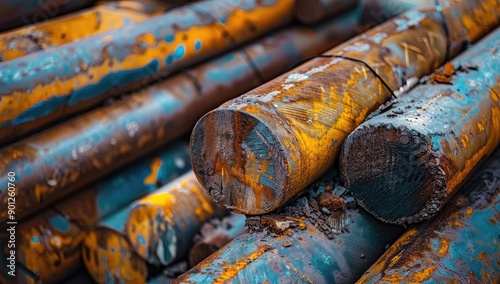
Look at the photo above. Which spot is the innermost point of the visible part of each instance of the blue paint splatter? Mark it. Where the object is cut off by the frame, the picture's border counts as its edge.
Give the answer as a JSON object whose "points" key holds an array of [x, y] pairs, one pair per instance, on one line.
{"points": [[112, 249], [179, 51], [169, 60], [59, 223], [169, 38], [120, 79], [197, 44], [35, 239], [141, 240], [39, 109]]}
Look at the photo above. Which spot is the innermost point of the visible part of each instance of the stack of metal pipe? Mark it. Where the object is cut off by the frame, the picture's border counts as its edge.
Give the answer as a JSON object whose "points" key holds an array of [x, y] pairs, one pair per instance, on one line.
{"points": [[95, 106]]}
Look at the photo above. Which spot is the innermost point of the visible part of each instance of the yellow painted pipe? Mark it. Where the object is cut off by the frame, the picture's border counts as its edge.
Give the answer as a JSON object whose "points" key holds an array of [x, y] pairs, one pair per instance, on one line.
{"points": [[62, 30]]}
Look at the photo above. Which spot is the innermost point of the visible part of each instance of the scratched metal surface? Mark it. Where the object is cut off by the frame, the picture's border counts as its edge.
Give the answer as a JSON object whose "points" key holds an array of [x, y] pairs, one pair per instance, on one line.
{"points": [[39, 88], [299, 254], [49, 243], [460, 246], [257, 151], [157, 229], [429, 140], [16, 13], [101, 18], [64, 158]]}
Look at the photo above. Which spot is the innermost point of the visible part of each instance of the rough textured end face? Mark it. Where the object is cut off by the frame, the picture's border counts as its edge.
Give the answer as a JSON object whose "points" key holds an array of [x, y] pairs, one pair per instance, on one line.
{"points": [[239, 160], [394, 173], [151, 236]]}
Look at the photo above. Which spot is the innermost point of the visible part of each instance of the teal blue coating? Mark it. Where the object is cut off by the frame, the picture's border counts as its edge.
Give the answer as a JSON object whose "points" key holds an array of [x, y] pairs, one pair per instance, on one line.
{"points": [[77, 60], [304, 256]]}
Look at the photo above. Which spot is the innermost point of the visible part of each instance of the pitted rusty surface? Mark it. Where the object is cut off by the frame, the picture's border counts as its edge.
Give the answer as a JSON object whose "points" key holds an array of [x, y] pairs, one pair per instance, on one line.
{"points": [[40, 88], [158, 229], [49, 248], [429, 140], [16, 13], [461, 245], [301, 243], [53, 163], [66, 29]]}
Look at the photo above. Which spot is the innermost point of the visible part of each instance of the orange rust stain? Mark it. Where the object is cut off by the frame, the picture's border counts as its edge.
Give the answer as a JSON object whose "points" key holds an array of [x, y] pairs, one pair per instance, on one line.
{"points": [[232, 269], [66, 29], [155, 168], [445, 246], [469, 212]]}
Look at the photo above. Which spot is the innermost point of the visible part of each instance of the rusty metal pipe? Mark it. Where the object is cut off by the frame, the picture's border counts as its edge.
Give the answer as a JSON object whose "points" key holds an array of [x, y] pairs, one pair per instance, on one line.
{"points": [[460, 246], [101, 18], [313, 11], [256, 152], [71, 155], [427, 142], [304, 243], [156, 230], [214, 235], [16, 13], [40, 88], [48, 244]]}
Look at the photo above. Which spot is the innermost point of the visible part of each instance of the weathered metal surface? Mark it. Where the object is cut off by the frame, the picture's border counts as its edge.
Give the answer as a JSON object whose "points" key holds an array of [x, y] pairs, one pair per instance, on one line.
{"points": [[460, 246], [214, 235], [304, 243], [48, 244], [16, 13], [427, 142], [66, 29], [73, 154], [157, 229], [42, 87], [313, 11], [256, 152]]}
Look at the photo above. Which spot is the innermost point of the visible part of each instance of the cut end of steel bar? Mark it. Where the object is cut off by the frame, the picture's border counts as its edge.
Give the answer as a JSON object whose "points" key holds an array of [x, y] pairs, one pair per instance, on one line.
{"points": [[395, 163], [103, 249], [246, 171]]}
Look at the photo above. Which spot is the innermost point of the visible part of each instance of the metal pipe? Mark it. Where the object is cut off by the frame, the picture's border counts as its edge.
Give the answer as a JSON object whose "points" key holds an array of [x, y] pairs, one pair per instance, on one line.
{"points": [[101, 18], [460, 246], [427, 142], [73, 154], [28, 12], [48, 244], [313, 11], [214, 235], [256, 152], [46, 86], [156, 230], [319, 238]]}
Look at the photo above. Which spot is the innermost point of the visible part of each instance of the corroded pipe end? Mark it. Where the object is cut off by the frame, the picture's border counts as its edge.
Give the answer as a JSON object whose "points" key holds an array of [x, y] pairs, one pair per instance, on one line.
{"points": [[240, 161], [151, 236], [108, 258], [394, 174]]}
